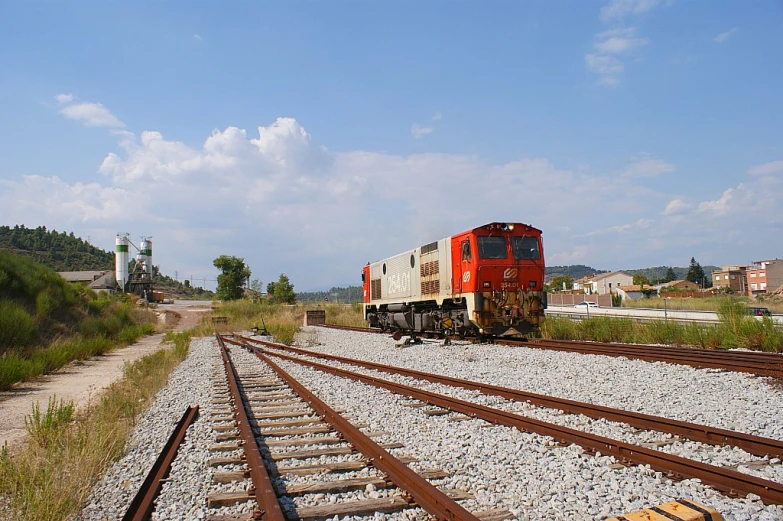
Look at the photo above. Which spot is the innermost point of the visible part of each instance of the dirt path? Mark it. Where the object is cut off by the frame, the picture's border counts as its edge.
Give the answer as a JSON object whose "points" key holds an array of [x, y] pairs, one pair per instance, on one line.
{"points": [[82, 382]]}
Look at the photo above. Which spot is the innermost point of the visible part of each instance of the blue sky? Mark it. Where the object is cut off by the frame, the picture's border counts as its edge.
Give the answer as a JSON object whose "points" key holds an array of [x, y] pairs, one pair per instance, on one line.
{"points": [[311, 137]]}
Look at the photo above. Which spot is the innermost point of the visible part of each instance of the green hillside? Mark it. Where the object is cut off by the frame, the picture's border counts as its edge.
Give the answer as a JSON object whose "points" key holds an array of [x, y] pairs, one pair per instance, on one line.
{"points": [[58, 250], [45, 322]]}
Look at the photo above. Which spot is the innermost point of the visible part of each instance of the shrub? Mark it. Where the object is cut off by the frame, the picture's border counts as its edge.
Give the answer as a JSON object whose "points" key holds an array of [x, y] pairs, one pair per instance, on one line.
{"points": [[17, 327]]}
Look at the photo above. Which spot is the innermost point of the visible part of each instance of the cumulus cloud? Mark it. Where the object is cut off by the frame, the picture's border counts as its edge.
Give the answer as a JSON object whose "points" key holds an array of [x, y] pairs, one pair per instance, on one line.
{"points": [[773, 167], [275, 197], [722, 37], [677, 207]]}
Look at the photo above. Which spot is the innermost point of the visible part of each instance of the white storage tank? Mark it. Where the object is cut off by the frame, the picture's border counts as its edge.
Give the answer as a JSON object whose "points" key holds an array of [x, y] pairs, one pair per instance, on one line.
{"points": [[145, 250], [121, 261]]}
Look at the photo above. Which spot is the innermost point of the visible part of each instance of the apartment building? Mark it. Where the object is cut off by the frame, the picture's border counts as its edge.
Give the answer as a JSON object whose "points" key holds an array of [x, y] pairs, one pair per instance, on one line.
{"points": [[764, 276], [731, 277]]}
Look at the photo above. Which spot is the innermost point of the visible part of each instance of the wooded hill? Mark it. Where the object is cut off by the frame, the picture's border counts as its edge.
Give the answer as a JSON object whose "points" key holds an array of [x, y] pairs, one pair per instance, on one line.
{"points": [[63, 251], [58, 250]]}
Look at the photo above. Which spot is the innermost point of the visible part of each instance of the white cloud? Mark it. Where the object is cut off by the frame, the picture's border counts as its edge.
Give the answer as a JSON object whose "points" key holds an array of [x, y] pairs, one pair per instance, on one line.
{"points": [[619, 41], [607, 65], [64, 98], [609, 46], [677, 207], [437, 116], [198, 37], [619, 9], [91, 114], [722, 37], [648, 167], [720, 205], [273, 196], [773, 167], [419, 131]]}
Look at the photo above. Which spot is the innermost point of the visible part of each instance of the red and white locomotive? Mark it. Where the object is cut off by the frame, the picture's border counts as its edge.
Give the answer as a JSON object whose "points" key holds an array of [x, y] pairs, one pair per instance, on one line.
{"points": [[485, 281]]}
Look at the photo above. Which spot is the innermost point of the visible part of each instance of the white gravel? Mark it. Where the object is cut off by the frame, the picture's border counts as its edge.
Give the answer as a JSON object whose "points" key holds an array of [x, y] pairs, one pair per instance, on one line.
{"points": [[529, 474], [183, 495]]}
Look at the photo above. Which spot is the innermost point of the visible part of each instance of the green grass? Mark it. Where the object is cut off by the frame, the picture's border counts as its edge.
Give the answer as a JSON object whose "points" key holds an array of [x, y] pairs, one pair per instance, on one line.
{"points": [[47, 322], [68, 451], [734, 329]]}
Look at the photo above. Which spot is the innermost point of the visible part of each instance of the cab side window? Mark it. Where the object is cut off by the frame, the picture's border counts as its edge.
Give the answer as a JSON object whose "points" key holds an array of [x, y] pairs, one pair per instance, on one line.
{"points": [[466, 256]]}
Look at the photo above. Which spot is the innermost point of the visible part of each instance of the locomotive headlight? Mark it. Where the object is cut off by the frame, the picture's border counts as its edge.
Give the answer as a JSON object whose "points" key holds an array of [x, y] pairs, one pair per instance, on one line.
{"points": [[531, 284], [487, 284], [510, 227]]}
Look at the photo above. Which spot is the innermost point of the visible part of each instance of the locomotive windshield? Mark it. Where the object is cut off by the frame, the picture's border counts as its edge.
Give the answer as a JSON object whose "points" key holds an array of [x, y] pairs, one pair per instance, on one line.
{"points": [[492, 248], [525, 248]]}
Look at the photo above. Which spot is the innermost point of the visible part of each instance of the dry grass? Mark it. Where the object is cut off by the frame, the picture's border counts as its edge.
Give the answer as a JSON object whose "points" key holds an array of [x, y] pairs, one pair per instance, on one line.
{"points": [[703, 304], [51, 477]]}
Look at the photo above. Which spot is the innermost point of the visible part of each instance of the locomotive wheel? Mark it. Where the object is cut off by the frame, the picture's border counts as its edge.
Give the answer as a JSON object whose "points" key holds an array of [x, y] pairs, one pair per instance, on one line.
{"points": [[397, 335]]}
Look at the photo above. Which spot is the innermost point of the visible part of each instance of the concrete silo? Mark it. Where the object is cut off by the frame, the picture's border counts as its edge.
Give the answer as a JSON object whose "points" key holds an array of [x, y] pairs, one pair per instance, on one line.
{"points": [[121, 260]]}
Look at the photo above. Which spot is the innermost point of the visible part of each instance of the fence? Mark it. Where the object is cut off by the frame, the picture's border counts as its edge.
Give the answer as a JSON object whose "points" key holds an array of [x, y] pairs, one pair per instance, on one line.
{"points": [[572, 299]]}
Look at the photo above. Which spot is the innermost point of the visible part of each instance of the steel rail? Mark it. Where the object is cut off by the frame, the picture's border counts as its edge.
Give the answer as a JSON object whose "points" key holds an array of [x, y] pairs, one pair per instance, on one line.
{"points": [[751, 356], [726, 480], [263, 490], [699, 358], [760, 363], [426, 495], [757, 445], [143, 504]]}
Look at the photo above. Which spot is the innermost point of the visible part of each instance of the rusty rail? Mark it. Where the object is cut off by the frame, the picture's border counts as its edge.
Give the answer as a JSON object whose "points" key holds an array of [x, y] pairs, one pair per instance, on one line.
{"points": [[427, 496], [268, 506], [726, 480], [757, 445], [142, 505], [760, 363]]}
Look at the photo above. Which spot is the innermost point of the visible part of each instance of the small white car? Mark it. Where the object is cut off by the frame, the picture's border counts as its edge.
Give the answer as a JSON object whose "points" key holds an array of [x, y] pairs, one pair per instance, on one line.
{"points": [[587, 305]]}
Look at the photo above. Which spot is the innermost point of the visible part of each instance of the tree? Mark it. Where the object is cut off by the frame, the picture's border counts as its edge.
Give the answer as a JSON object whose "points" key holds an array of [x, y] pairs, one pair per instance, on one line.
{"points": [[234, 275], [257, 285], [562, 282], [695, 273], [282, 291], [640, 280], [670, 276]]}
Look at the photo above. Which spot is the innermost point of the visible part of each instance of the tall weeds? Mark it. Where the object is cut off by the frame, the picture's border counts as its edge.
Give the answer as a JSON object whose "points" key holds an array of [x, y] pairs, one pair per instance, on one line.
{"points": [[52, 476], [735, 329]]}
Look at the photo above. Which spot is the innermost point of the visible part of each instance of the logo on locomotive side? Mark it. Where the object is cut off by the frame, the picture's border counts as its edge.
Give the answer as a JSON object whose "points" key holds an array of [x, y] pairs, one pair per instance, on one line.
{"points": [[510, 273], [466, 277], [399, 282]]}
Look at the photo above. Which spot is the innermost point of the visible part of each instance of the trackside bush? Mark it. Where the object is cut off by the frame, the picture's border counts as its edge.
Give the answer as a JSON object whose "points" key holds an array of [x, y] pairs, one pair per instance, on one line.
{"points": [[17, 327]]}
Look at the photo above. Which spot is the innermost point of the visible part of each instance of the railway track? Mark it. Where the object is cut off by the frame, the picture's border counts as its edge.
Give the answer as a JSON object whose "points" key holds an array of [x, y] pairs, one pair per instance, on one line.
{"points": [[727, 480], [762, 364], [276, 422]]}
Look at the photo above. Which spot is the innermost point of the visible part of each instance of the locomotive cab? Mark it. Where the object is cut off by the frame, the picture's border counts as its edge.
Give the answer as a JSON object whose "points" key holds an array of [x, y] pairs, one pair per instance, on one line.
{"points": [[500, 273]]}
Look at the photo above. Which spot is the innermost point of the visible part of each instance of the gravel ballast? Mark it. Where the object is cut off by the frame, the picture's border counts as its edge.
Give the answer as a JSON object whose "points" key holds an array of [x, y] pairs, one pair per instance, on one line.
{"points": [[182, 496], [530, 475]]}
